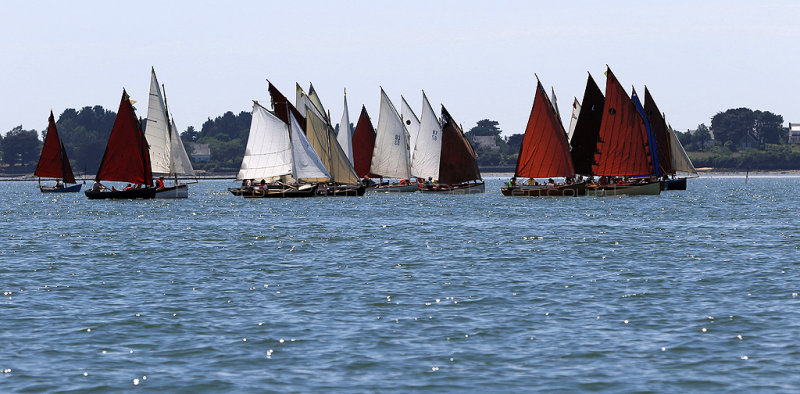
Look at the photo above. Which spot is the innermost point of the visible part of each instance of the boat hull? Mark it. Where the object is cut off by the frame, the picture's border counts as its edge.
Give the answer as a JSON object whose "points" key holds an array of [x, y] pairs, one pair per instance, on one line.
{"points": [[574, 190], [146, 193], [463, 188], [394, 188], [649, 189], [675, 184], [177, 191], [285, 192], [342, 191], [67, 189]]}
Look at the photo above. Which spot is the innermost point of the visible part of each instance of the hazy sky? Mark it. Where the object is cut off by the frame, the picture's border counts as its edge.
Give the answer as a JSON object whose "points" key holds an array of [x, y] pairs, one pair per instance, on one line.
{"points": [[476, 57]]}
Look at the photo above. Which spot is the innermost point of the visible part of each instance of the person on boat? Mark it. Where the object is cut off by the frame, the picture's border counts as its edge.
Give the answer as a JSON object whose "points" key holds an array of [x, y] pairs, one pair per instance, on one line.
{"points": [[512, 182], [59, 185], [97, 186], [429, 183], [129, 187], [160, 183], [263, 185]]}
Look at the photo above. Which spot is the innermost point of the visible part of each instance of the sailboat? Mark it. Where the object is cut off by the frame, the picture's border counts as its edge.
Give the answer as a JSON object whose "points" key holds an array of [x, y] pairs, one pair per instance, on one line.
{"points": [[281, 156], [167, 154], [623, 147], [320, 133], [126, 158], [444, 156], [391, 156], [53, 163], [544, 153], [671, 156]]}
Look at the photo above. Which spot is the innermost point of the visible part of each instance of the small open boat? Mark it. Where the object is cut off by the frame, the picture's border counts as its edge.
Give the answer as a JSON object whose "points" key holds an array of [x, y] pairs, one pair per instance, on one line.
{"points": [[126, 159], [53, 163]]}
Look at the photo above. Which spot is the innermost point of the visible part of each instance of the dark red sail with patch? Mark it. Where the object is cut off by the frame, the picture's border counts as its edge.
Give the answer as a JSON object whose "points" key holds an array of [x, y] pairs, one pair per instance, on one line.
{"points": [[545, 151], [458, 163], [363, 144], [622, 146], [53, 163], [126, 158]]}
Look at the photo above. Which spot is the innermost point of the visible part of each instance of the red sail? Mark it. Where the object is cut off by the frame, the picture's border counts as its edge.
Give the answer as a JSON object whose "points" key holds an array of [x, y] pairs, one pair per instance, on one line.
{"points": [[126, 158], [53, 163], [363, 144], [659, 128], [281, 106], [622, 147], [458, 163], [545, 151]]}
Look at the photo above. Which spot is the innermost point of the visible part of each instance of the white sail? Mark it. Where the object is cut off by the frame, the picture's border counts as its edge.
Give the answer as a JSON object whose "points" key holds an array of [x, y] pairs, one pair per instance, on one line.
{"points": [[157, 129], [390, 157], [680, 160], [428, 148], [345, 135], [411, 122], [576, 111], [306, 162], [180, 163], [268, 153]]}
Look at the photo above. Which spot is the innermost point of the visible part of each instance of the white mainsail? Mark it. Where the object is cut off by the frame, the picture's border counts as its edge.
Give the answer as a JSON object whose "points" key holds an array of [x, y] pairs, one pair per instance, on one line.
{"points": [[411, 122], [680, 160], [573, 121], [157, 129], [307, 165], [345, 135], [181, 165], [390, 157], [428, 148], [268, 153]]}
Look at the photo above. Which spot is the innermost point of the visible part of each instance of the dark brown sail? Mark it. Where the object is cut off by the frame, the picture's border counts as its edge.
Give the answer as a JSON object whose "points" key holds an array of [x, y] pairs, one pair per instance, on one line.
{"points": [[280, 104], [53, 163], [659, 128], [587, 127], [363, 144], [458, 163]]}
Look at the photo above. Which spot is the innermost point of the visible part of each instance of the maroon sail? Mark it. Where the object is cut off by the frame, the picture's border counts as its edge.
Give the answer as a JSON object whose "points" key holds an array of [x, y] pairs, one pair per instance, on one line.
{"points": [[53, 162], [622, 146], [281, 106], [545, 151], [587, 127], [363, 144], [126, 158], [659, 128], [458, 163]]}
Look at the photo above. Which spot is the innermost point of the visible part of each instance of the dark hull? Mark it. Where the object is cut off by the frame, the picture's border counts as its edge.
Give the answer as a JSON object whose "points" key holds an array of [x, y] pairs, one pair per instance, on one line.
{"points": [[628, 189], [286, 192], [343, 191], [68, 189], [463, 188], [145, 193], [675, 184], [574, 190]]}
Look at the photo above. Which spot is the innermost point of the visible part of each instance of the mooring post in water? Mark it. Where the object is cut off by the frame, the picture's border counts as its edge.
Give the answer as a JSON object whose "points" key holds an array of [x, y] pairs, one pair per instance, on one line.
{"points": [[746, 175]]}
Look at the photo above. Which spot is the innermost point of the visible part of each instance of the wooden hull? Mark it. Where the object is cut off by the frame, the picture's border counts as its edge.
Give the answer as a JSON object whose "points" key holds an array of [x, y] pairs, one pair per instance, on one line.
{"points": [[285, 192], [343, 191], [146, 193], [675, 184], [574, 190], [67, 189], [394, 188], [463, 188], [649, 189], [177, 191]]}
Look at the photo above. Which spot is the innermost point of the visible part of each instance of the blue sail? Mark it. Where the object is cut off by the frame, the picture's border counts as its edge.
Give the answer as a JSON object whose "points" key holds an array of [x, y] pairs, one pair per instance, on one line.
{"points": [[651, 138]]}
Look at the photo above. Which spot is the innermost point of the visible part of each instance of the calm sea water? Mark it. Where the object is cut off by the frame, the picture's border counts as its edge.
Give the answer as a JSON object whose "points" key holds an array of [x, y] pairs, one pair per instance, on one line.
{"points": [[686, 291]]}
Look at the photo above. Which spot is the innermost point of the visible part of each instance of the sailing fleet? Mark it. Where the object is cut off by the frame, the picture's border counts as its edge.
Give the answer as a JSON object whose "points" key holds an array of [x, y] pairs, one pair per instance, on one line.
{"points": [[614, 146]]}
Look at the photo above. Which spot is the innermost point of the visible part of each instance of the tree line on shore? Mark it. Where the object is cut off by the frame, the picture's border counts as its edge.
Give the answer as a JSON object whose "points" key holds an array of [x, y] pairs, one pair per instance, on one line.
{"points": [[737, 139]]}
